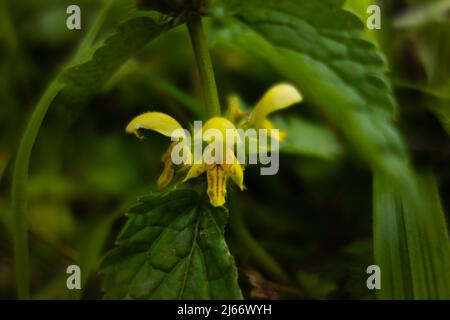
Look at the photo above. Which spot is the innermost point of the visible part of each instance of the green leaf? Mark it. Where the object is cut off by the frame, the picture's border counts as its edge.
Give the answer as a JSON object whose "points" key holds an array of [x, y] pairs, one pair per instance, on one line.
{"points": [[307, 138], [82, 81], [412, 246], [319, 47], [172, 247], [359, 8], [389, 241]]}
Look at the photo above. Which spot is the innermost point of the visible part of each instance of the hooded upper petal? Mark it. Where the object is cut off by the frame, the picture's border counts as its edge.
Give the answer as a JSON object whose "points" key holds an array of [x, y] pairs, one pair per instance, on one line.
{"points": [[223, 126], [156, 121], [276, 98]]}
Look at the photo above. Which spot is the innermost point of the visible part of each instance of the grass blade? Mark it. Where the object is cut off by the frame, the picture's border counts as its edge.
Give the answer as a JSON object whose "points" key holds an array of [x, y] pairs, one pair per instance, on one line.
{"points": [[411, 240]]}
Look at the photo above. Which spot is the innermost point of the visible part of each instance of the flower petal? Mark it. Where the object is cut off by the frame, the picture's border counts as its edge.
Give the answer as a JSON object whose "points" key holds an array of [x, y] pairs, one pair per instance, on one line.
{"points": [[234, 112], [166, 176], [222, 125], [237, 175], [168, 172], [278, 97], [234, 169], [156, 121], [217, 185], [195, 170]]}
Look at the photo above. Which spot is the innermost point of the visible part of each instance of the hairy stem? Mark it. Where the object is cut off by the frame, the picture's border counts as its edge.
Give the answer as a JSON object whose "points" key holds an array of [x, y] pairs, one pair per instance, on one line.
{"points": [[204, 64]]}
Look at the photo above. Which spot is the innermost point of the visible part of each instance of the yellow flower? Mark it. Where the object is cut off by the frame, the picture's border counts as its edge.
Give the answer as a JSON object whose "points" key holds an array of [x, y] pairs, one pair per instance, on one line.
{"points": [[218, 160], [278, 97], [157, 121], [218, 172], [166, 125]]}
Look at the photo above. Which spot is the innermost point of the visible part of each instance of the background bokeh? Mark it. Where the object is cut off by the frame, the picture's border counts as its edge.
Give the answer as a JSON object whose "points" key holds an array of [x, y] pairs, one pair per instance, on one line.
{"points": [[314, 217]]}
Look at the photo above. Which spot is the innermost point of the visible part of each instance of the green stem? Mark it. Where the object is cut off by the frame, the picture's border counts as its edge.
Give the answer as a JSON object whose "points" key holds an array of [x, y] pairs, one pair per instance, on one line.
{"points": [[252, 247], [204, 64], [19, 191], [22, 161]]}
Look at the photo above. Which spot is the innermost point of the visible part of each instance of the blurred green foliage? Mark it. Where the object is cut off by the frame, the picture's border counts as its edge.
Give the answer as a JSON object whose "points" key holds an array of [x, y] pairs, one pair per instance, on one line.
{"points": [[314, 217]]}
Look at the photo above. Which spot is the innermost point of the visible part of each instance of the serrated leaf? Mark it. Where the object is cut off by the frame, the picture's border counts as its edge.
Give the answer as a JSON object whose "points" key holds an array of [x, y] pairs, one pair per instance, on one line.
{"points": [[319, 47], [82, 81], [359, 8], [172, 247]]}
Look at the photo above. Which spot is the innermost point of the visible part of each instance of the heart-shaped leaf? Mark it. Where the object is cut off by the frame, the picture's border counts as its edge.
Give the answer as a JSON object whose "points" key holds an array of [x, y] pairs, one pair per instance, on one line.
{"points": [[172, 247]]}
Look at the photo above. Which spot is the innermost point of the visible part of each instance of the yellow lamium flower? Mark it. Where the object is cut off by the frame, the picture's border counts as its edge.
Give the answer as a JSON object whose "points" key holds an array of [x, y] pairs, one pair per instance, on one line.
{"points": [[156, 121], [278, 97], [217, 173], [167, 126], [220, 146]]}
